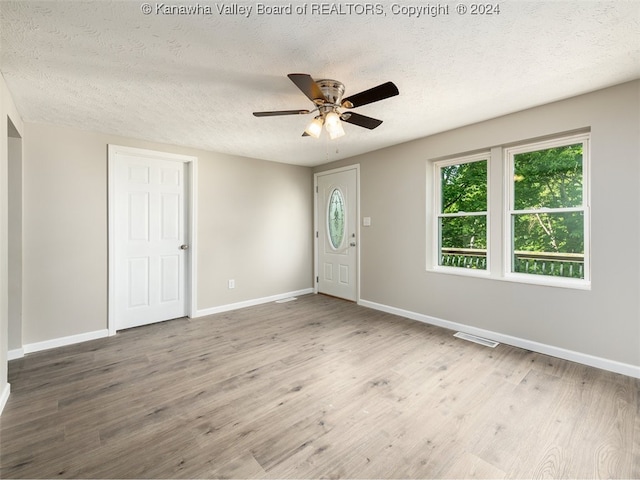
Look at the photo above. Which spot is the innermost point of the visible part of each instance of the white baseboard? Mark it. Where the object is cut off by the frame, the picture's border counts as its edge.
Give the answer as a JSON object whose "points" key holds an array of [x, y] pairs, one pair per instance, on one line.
{"points": [[64, 341], [578, 357], [4, 396], [250, 303], [84, 337], [16, 353]]}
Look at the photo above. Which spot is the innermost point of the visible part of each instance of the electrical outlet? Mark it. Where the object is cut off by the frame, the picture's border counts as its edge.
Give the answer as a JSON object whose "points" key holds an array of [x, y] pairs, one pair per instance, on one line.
{"points": [[232, 284]]}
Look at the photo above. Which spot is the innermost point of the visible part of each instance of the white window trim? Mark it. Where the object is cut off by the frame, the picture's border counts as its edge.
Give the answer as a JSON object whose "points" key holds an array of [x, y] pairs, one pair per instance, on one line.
{"points": [[501, 157], [437, 198], [509, 154]]}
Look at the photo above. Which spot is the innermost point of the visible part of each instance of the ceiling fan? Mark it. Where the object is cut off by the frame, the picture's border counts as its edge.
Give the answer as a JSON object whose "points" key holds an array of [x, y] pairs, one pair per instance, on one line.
{"points": [[326, 95]]}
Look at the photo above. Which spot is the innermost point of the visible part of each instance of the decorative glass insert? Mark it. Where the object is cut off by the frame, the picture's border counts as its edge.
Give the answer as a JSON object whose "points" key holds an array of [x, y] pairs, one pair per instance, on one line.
{"points": [[335, 218]]}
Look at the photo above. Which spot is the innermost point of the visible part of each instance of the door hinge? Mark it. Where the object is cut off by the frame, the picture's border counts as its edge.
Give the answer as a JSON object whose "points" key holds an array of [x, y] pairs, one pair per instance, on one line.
{"points": [[317, 279], [316, 189], [316, 234]]}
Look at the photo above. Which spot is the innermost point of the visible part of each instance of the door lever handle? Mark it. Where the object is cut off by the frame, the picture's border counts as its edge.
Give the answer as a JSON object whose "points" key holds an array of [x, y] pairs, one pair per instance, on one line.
{"points": [[353, 244]]}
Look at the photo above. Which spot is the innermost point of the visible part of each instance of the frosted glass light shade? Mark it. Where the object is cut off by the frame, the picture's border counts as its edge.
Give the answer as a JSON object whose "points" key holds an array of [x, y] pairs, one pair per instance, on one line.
{"points": [[315, 127], [333, 124]]}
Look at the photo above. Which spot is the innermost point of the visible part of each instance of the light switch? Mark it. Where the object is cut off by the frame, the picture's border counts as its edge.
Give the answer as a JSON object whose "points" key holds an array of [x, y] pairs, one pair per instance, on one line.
{"points": [[366, 221]]}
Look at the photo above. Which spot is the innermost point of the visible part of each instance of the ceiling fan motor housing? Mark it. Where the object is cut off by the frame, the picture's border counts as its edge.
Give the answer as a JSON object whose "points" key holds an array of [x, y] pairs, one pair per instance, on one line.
{"points": [[333, 91]]}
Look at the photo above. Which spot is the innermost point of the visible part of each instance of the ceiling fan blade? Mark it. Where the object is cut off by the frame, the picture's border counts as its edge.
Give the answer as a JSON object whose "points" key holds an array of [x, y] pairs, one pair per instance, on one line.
{"points": [[307, 85], [374, 94], [361, 120], [280, 112]]}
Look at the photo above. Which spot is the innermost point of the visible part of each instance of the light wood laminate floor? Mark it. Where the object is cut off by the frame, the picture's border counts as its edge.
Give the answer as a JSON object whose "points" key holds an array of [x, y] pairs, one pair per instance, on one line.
{"points": [[316, 387]]}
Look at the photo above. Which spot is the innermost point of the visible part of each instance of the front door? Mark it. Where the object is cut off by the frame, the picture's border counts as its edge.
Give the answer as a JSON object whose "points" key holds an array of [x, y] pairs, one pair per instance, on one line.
{"points": [[337, 242], [150, 245]]}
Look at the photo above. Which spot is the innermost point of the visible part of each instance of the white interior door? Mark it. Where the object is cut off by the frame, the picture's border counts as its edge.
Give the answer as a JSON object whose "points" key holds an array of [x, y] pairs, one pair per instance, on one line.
{"points": [[150, 245], [337, 264]]}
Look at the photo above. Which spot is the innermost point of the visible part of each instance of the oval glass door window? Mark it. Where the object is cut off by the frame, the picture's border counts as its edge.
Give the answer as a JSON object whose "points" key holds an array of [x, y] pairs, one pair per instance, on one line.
{"points": [[335, 218]]}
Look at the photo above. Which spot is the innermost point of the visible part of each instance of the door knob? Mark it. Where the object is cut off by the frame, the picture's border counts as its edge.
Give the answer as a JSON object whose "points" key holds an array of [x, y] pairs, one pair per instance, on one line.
{"points": [[184, 247]]}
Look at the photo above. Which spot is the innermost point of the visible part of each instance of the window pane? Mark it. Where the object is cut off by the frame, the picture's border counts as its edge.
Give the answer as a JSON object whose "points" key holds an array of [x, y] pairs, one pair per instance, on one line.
{"points": [[550, 178], [463, 242], [549, 244], [464, 187], [335, 218]]}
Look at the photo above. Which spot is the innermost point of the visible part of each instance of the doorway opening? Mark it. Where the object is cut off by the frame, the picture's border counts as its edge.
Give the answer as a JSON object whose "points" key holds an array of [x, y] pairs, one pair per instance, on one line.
{"points": [[14, 206]]}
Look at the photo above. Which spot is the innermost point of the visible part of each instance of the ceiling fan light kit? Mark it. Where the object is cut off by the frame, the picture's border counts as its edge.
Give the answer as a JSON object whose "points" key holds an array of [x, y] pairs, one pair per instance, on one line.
{"points": [[333, 125], [326, 96], [315, 127]]}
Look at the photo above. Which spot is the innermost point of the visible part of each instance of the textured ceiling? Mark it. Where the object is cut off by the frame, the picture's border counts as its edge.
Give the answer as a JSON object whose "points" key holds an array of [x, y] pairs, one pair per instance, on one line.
{"points": [[194, 80]]}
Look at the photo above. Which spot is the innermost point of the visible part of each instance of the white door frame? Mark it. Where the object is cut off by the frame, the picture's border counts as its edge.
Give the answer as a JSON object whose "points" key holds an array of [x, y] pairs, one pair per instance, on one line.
{"points": [[316, 272], [191, 181]]}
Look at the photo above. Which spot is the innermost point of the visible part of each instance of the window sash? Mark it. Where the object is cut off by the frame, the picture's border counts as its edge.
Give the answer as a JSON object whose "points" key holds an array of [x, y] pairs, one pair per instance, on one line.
{"points": [[439, 214], [510, 212], [462, 214], [463, 256], [547, 210]]}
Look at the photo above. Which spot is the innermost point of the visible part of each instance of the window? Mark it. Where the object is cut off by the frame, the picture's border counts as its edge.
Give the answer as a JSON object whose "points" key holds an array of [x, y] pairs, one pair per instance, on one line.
{"points": [[461, 197], [547, 218], [541, 234]]}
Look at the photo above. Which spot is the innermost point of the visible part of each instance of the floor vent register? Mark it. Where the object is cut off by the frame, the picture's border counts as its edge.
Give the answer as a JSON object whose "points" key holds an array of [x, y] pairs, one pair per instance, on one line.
{"points": [[475, 339]]}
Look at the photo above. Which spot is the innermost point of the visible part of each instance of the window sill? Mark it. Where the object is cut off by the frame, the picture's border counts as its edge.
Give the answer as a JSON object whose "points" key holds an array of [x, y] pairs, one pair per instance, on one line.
{"points": [[571, 283], [547, 281], [465, 272]]}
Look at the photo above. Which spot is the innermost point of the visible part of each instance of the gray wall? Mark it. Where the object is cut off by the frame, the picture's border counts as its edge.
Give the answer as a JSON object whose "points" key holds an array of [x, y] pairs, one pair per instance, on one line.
{"points": [[254, 225], [605, 321]]}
